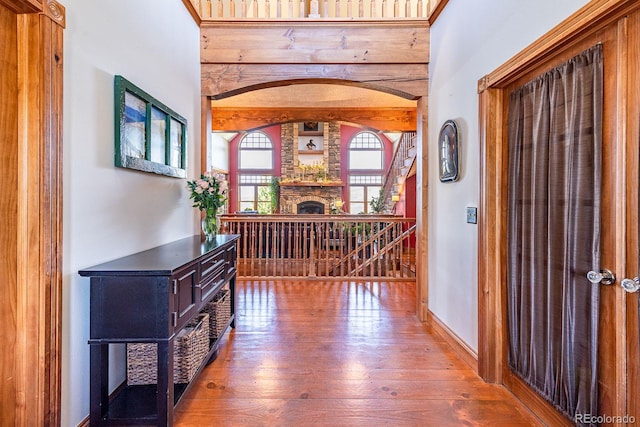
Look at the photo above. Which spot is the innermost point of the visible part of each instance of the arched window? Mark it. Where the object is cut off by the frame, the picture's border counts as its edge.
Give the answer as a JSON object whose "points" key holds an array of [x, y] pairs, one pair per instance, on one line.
{"points": [[365, 170], [255, 170]]}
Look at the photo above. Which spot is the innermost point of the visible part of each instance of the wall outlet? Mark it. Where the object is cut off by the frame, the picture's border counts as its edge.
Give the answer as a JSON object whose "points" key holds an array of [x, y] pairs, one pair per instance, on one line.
{"points": [[472, 215]]}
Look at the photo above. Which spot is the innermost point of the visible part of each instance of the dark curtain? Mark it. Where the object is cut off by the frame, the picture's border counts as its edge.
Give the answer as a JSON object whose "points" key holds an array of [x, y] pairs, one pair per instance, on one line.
{"points": [[555, 150]]}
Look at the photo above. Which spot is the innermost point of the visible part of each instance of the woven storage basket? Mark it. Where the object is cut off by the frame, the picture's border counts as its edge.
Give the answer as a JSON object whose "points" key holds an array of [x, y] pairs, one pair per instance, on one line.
{"points": [[219, 310], [190, 347]]}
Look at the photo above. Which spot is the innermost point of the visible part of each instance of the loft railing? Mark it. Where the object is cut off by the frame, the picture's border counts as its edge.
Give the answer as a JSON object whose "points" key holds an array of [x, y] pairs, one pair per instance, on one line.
{"points": [[312, 9], [402, 158], [323, 246]]}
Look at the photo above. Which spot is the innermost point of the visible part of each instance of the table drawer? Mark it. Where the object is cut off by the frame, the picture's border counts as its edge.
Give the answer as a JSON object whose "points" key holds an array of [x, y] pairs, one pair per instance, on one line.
{"points": [[212, 282], [210, 265]]}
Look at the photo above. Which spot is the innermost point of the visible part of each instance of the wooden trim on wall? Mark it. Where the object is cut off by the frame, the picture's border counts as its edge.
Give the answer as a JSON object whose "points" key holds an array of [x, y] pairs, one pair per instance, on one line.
{"points": [[437, 10], [206, 127], [192, 11], [422, 211], [541, 408], [463, 350], [491, 237]]}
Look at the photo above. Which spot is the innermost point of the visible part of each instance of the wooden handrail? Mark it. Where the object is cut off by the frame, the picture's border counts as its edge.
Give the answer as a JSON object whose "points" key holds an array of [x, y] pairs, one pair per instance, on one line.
{"points": [[390, 247], [323, 246]]}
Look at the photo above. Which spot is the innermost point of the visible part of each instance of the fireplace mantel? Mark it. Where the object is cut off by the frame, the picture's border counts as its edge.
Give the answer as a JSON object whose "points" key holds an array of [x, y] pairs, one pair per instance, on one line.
{"points": [[312, 184]]}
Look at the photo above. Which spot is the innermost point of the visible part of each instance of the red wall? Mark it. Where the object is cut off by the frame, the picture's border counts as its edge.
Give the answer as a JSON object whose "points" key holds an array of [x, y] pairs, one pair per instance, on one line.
{"points": [[410, 203]]}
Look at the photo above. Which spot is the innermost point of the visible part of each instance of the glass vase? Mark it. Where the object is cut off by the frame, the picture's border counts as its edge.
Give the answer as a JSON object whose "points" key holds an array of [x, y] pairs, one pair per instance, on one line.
{"points": [[210, 225]]}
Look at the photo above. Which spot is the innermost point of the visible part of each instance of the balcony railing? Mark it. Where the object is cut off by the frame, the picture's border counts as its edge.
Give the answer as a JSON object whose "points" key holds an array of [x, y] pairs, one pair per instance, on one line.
{"points": [[323, 246], [312, 9]]}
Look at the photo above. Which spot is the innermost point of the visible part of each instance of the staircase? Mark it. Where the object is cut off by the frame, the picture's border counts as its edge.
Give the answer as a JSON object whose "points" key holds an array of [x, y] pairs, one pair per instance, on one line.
{"points": [[381, 253], [403, 160]]}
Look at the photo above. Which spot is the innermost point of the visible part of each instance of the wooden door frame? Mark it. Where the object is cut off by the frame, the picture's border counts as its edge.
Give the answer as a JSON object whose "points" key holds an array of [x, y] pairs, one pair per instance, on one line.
{"points": [[633, 205], [492, 322], [32, 237]]}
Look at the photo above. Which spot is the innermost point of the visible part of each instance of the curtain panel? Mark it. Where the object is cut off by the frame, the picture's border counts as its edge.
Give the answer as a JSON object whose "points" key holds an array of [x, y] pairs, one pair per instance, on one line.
{"points": [[553, 238]]}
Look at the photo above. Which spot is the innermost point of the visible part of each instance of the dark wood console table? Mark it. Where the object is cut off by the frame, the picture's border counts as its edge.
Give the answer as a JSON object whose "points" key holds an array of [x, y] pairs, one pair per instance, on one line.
{"points": [[149, 297]]}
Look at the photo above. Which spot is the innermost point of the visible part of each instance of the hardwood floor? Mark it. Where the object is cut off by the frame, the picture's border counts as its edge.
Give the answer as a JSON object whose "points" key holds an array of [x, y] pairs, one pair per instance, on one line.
{"points": [[339, 354]]}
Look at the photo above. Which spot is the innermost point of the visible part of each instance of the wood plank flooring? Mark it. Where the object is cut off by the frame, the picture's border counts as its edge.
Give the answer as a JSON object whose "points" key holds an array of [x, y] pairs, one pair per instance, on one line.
{"points": [[308, 353]]}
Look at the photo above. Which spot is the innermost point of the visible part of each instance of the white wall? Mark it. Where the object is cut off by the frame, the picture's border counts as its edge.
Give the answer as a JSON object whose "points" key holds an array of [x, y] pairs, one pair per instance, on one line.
{"points": [[469, 40], [219, 150], [111, 212]]}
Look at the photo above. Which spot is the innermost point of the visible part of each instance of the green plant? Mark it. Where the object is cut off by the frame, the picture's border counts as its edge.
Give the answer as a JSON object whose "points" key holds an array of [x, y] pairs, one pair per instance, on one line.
{"points": [[274, 187], [264, 202], [321, 175], [377, 203], [361, 228]]}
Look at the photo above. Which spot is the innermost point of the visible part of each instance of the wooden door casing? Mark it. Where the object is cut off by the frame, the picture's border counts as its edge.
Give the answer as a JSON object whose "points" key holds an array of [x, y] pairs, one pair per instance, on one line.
{"points": [[31, 211], [607, 23], [632, 31], [8, 189]]}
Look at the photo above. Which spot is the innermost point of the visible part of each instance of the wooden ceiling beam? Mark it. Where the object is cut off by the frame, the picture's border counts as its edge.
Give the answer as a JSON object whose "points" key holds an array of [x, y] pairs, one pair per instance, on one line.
{"points": [[391, 57], [243, 119], [315, 42]]}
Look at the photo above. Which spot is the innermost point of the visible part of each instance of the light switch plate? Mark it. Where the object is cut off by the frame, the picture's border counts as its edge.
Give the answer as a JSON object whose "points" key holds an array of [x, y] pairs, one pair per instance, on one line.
{"points": [[472, 215]]}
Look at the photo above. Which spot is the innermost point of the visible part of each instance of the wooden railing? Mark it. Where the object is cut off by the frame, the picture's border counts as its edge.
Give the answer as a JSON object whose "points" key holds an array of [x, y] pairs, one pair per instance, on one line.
{"points": [[312, 9], [323, 246], [404, 155]]}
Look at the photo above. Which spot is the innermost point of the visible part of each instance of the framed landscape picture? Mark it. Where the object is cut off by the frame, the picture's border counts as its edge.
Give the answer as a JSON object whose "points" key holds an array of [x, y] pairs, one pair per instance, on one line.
{"points": [[149, 136]]}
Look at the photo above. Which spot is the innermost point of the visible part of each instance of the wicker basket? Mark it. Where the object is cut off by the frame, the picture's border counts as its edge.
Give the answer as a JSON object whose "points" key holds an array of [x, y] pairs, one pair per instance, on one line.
{"points": [[190, 347], [219, 310]]}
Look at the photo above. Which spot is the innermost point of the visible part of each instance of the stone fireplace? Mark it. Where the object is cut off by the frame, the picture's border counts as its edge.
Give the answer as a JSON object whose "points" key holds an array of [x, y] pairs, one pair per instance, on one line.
{"points": [[323, 205], [311, 207], [292, 194]]}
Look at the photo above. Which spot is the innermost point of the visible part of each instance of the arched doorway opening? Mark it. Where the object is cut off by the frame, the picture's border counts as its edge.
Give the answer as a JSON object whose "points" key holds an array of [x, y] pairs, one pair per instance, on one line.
{"points": [[384, 109]]}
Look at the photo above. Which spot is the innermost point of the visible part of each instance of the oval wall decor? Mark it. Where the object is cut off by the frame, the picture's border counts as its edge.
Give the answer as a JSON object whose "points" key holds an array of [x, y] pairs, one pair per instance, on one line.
{"points": [[448, 152]]}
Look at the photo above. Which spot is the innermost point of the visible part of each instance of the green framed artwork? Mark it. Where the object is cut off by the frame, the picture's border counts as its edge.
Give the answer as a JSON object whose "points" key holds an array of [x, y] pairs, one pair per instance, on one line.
{"points": [[149, 136]]}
